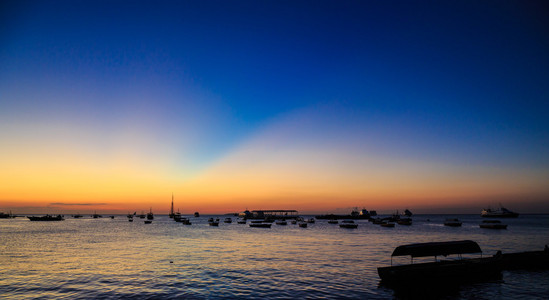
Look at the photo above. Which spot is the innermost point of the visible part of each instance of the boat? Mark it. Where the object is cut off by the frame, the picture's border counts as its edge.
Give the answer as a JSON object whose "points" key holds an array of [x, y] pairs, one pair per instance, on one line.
{"points": [[261, 225], [77, 216], [213, 222], [112, 217], [303, 224], [96, 215], [348, 224], [269, 214], [533, 260], [407, 213], [172, 213], [228, 220], [311, 220], [452, 222], [186, 221], [150, 215], [147, 221], [241, 221], [47, 218], [281, 222], [333, 222], [387, 224], [444, 271], [130, 219], [196, 214], [141, 216], [502, 212], [6, 216], [354, 215], [405, 221], [492, 224]]}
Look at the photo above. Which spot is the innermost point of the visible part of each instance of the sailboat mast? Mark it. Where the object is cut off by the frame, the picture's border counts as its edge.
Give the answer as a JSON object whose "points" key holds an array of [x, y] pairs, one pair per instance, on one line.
{"points": [[171, 212]]}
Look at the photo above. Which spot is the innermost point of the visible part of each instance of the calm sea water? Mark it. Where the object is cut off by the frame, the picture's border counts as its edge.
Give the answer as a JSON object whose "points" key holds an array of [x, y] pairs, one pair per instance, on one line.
{"points": [[104, 258]]}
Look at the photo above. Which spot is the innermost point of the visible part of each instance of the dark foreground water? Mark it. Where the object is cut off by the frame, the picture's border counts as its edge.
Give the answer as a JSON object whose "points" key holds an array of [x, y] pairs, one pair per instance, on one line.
{"points": [[104, 258]]}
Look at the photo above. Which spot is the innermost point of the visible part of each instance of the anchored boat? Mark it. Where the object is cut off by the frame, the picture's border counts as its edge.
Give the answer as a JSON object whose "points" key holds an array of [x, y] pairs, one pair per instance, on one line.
{"points": [[440, 270]]}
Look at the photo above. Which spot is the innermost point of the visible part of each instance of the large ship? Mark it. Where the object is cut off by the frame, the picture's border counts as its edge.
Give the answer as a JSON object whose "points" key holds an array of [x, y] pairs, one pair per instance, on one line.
{"points": [[502, 212], [355, 214]]}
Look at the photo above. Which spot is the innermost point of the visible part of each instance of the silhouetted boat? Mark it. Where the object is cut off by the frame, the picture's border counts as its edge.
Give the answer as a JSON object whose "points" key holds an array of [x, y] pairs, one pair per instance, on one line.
{"points": [[261, 225], [150, 215], [348, 224], [452, 223], [186, 221], [196, 214], [281, 222], [407, 213], [211, 222], [228, 220], [387, 224], [130, 219], [311, 220], [96, 215], [440, 271], [405, 221], [492, 224], [6, 216], [47, 218], [303, 224], [147, 221], [502, 212], [333, 221], [241, 221], [77, 216], [355, 215]]}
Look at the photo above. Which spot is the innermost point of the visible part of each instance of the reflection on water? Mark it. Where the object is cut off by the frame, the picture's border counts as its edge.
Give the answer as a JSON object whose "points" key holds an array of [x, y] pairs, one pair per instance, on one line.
{"points": [[85, 258]]}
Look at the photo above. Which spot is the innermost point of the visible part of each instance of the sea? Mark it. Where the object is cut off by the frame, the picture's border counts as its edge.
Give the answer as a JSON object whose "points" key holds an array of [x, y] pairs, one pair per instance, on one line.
{"points": [[115, 259]]}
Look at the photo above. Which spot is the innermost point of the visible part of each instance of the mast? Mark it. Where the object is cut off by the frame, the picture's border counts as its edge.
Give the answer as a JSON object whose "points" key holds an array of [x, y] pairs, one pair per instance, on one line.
{"points": [[171, 211]]}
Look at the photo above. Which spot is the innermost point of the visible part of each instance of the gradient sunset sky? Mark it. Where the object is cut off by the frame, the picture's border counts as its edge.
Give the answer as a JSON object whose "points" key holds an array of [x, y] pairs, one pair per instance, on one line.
{"points": [[319, 106]]}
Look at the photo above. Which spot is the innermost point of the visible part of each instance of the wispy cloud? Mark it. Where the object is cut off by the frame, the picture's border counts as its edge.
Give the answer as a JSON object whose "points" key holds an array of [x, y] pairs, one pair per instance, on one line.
{"points": [[75, 204]]}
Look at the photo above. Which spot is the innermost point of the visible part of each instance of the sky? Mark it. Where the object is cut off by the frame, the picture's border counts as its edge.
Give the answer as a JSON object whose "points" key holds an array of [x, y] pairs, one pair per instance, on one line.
{"points": [[319, 106]]}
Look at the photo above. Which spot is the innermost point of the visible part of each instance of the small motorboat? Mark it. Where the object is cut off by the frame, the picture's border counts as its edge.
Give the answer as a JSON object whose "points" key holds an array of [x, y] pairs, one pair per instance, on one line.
{"points": [[303, 224], [148, 221], [348, 224], [452, 222], [311, 220], [492, 224], [228, 220], [130, 220], [261, 225], [196, 214], [186, 221], [241, 221]]}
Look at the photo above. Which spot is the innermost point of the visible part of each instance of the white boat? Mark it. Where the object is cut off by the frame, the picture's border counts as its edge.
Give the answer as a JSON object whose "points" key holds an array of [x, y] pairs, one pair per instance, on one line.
{"points": [[502, 212]]}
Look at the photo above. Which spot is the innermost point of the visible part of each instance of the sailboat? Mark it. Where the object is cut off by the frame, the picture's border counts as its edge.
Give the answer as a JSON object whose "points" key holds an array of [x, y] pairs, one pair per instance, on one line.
{"points": [[171, 211], [150, 215]]}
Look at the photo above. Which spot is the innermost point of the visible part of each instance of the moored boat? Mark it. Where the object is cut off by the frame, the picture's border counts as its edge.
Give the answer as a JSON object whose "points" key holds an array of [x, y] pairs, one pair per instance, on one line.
{"points": [[502, 212], [150, 215], [333, 222], [47, 218], [387, 224], [281, 222], [492, 224], [196, 214], [452, 222], [260, 225], [303, 224], [228, 220], [445, 270], [348, 224]]}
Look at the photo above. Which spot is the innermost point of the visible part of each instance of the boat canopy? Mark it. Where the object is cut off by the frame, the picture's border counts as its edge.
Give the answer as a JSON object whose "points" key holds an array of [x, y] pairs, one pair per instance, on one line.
{"points": [[437, 248]]}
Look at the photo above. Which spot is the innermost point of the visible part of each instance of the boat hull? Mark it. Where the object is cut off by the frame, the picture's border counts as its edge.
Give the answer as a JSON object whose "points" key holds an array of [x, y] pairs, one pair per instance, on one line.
{"points": [[454, 271]]}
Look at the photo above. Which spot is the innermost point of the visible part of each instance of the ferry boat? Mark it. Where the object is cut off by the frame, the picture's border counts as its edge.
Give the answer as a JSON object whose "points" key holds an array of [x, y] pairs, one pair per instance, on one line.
{"points": [[502, 212], [443, 270], [47, 218]]}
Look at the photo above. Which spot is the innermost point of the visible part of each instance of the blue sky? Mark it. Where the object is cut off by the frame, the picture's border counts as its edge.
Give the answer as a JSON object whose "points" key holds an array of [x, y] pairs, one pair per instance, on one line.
{"points": [[463, 83]]}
